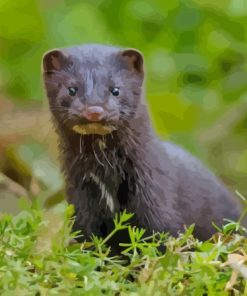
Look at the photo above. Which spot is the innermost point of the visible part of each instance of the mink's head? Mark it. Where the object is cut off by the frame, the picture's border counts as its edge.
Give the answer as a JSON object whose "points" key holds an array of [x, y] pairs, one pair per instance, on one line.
{"points": [[93, 84]]}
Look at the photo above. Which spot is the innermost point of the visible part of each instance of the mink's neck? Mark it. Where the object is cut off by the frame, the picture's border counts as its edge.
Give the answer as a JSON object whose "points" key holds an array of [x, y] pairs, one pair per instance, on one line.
{"points": [[110, 151]]}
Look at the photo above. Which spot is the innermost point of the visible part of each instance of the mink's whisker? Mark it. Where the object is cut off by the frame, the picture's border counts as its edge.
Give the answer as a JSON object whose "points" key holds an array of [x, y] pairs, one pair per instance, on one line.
{"points": [[80, 144], [96, 157], [106, 158]]}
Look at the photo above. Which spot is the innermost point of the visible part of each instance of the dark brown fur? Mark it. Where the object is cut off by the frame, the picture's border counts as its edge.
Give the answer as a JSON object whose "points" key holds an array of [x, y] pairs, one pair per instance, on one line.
{"points": [[164, 186]]}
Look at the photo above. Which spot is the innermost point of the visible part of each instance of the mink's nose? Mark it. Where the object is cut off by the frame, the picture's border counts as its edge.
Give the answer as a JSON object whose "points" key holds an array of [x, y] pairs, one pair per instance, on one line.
{"points": [[94, 113]]}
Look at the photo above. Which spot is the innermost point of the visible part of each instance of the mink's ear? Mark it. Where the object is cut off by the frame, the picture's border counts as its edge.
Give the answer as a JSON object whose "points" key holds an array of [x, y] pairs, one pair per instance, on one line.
{"points": [[134, 60], [54, 60]]}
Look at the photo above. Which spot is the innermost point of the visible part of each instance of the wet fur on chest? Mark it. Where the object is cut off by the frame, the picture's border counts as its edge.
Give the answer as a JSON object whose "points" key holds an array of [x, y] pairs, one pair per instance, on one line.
{"points": [[100, 164]]}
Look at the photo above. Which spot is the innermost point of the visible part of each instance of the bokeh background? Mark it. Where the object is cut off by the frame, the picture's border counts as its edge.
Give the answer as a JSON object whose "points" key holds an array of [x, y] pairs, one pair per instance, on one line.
{"points": [[195, 55]]}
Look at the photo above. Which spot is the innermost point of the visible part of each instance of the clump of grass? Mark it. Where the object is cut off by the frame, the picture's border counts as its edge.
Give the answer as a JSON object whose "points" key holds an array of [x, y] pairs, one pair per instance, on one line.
{"points": [[37, 258]]}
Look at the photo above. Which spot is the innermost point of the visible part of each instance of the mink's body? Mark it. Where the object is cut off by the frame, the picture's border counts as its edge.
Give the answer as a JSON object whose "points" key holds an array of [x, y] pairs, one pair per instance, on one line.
{"points": [[128, 168]]}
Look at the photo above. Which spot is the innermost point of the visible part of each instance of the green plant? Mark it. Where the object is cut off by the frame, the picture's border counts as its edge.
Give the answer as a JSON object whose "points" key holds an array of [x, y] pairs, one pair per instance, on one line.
{"points": [[38, 258]]}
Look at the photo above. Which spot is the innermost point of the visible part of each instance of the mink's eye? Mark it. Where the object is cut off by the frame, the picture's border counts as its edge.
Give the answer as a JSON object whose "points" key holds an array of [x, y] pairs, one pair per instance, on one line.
{"points": [[115, 91], [72, 91]]}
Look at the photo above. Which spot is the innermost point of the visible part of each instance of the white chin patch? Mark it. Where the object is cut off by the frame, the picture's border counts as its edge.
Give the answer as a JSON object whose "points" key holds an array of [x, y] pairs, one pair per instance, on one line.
{"points": [[93, 128]]}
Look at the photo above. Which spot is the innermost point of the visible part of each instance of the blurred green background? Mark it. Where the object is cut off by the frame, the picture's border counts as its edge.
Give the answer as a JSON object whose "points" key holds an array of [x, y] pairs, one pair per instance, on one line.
{"points": [[195, 55]]}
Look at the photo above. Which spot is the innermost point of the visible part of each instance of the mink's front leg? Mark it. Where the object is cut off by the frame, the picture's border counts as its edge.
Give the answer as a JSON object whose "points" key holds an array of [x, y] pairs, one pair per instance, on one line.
{"points": [[87, 210]]}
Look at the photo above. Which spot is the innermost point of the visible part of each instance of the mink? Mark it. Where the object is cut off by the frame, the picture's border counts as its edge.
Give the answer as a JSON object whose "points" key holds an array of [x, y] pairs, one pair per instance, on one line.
{"points": [[111, 158]]}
